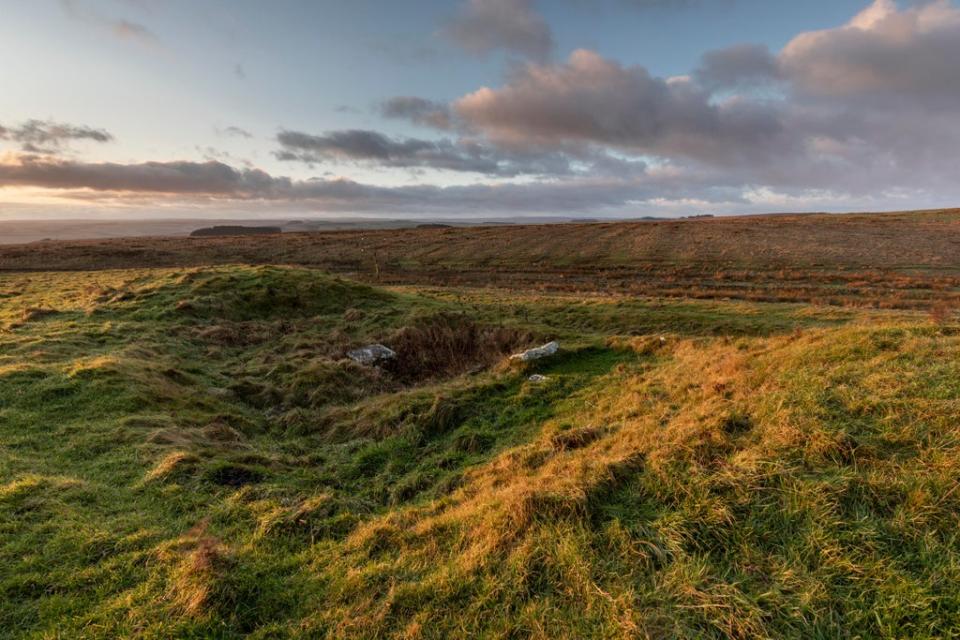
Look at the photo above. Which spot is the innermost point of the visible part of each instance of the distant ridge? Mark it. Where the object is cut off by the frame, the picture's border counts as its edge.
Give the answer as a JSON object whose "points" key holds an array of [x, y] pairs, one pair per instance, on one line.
{"points": [[233, 230]]}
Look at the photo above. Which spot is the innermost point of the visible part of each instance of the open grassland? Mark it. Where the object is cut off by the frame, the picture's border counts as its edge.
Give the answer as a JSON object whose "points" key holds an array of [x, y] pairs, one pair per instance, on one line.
{"points": [[905, 260], [185, 452]]}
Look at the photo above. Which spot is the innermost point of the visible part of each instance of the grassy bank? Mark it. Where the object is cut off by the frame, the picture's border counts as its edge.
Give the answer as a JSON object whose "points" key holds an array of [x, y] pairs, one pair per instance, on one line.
{"points": [[187, 453]]}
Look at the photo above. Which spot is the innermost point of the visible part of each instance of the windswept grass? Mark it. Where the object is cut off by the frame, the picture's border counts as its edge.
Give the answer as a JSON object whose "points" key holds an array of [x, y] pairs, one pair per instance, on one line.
{"points": [[187, 453]]}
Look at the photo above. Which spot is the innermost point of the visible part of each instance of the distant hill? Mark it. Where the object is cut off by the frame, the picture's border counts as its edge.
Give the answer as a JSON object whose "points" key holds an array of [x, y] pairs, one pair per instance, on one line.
{"points": [[904, 259], [234, 230]]}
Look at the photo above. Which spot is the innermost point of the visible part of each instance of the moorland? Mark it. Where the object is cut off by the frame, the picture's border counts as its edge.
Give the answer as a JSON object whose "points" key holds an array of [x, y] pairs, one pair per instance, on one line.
{"points": [[750, 430]]}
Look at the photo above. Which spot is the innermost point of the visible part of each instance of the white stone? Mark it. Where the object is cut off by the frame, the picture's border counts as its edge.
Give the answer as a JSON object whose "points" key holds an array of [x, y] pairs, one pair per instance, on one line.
{"points": [[372, 354], [539, 352], [537, 378]]}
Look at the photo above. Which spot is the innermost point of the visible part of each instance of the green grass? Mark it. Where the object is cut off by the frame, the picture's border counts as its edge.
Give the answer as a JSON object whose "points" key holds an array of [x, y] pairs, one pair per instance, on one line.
{"points": [[186, 453]]}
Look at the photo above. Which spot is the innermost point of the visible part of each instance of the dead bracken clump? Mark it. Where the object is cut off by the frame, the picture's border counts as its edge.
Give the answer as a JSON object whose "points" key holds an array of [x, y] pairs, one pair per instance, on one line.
{"points": [[449, 344], [197, 584], [941, 312], [170, 465], [576, 438]]}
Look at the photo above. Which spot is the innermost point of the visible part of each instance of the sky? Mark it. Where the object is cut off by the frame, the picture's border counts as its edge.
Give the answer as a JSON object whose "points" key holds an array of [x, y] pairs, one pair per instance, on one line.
{"points": [[476, 108]]}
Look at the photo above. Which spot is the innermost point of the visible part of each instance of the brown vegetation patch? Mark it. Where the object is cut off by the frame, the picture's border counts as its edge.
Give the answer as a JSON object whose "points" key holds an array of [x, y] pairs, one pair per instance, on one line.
{"points": [[31, 314], [236, 334], [899, 260], [221, 432], [198, 585], [576, 438], [171, 465], [446, 345]]}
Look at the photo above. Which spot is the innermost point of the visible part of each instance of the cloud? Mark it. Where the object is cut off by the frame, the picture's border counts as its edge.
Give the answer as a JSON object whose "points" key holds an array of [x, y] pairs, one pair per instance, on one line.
{"points": [[153, 177], [592, 100], [861, 115], [670, 4], [483, 26], [375, 148], [235, 132], [212, 181], [737, 67], [417, 110], [903, 56], [869, 106], [133, 31], [216, 185], [124, 29], [47, 137]]}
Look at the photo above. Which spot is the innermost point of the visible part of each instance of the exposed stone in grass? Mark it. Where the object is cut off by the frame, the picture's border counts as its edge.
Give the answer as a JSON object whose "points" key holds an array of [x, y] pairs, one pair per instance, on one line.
{"points": [[371, 354], [537, 353]]}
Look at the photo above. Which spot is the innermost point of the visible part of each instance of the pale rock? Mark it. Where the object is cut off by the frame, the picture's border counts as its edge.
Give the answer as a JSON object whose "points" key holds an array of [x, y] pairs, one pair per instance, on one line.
{"points": [[372, 354], [539, 352]]}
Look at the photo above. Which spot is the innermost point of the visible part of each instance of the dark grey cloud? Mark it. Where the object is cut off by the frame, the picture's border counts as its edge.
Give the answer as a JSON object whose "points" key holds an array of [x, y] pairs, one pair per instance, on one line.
{"points": [[417, 110], [737, 67], [153, 177], [216, 181], [375, 148], [217, 184], [483, 26], [48, 137]]}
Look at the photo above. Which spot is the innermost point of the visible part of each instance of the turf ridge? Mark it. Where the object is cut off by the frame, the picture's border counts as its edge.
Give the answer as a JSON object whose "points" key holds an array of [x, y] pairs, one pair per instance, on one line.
{"points": [[186, 453]]}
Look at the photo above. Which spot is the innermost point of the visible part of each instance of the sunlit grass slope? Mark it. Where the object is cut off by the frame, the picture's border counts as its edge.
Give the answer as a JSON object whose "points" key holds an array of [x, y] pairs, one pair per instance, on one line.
{"points": [[187, 453]]}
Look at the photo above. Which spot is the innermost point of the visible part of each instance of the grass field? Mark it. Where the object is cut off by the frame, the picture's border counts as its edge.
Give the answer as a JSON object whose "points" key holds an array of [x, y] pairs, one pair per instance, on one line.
{"points": [[895, 260], [186, 452]]}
